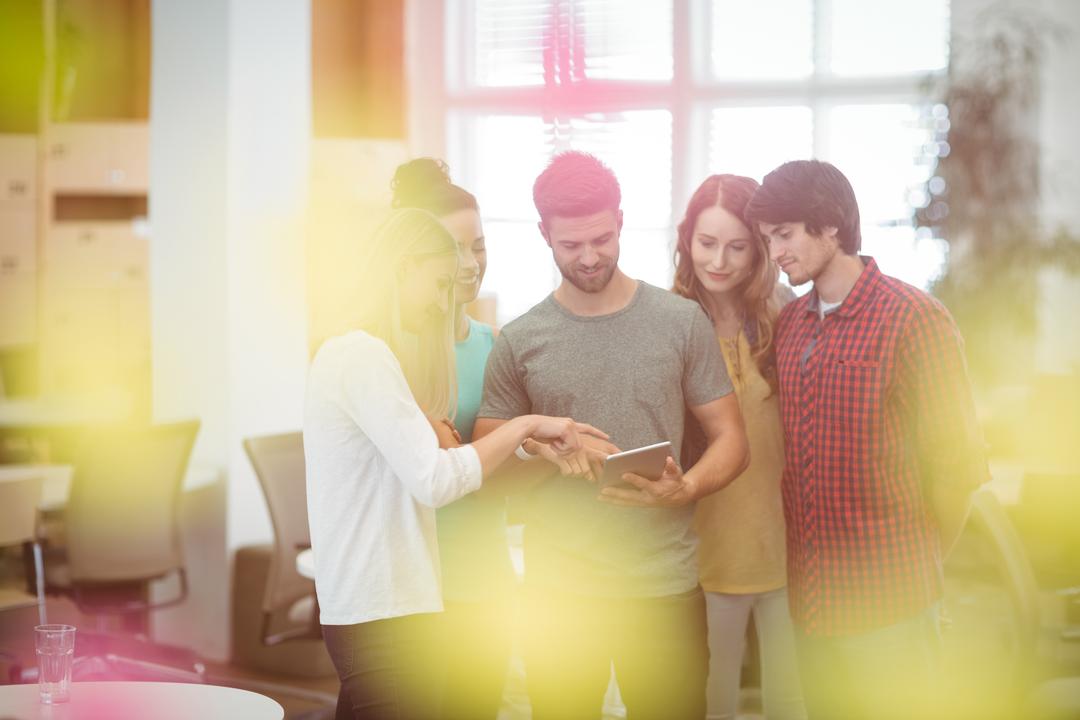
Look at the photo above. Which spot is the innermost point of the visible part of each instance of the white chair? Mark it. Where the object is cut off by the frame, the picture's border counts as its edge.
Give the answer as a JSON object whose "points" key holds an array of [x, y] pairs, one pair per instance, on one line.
{"points": [[19, 500], [278, 461]]}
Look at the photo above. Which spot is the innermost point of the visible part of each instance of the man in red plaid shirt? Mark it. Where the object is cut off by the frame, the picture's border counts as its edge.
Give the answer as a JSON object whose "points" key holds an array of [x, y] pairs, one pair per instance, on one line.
{"points": [[882, 453]]}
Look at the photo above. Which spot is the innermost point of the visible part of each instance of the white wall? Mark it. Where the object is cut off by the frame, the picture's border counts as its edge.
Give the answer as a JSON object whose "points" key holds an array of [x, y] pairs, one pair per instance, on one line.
{"points": [[230, 127], [188, 217], [189, 329], [269, 137]]}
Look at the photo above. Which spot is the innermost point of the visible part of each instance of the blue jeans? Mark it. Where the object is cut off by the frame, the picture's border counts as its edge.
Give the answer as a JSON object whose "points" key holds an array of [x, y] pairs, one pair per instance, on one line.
{"points": [[891, 672], [389, 669], [728, 618]]}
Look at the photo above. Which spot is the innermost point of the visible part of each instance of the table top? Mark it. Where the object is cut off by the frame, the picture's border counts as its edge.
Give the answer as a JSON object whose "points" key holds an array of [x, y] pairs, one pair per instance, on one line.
{"points": [[305, 563], [139, 700], [56, 483], [105, 407]]}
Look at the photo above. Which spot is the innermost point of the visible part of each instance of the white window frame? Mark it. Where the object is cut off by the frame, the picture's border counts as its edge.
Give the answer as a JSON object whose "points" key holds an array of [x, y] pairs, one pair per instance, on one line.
{"points": [[437, 90]]}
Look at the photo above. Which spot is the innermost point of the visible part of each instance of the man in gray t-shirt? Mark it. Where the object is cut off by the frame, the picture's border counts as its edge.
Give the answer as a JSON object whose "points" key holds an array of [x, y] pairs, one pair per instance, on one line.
{"points": [[611, 575], [632, 373]]}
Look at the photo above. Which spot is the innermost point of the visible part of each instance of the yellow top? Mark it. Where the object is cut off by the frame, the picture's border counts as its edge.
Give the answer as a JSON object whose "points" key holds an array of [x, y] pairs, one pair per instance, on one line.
{"points": [[742, 526]]}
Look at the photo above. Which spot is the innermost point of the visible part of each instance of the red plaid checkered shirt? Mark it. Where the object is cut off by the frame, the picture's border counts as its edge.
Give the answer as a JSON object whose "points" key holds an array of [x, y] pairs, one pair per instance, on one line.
{"points": [[876, 408]]}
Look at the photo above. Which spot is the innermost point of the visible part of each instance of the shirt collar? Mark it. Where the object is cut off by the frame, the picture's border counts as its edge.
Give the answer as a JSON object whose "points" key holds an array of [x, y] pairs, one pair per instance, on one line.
{"points": [[860, 292]]}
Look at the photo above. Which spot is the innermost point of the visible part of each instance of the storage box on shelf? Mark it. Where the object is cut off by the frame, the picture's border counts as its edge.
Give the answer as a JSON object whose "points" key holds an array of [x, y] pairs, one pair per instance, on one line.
{"points": [[96, 254], [99, 157]]}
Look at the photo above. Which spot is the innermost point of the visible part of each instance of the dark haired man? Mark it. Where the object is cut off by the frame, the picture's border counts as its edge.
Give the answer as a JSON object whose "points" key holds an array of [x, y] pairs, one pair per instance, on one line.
{"points": [[612, 582], [882, 453]]}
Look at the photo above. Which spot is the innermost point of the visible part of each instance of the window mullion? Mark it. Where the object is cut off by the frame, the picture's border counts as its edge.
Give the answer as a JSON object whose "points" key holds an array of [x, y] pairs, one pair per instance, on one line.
{"points": [[822, 44], [684, 46]]}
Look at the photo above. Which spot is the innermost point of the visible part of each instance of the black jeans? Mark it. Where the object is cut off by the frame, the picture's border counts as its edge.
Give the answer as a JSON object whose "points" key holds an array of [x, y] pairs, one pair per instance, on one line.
{"points": [[389, 669], [658, 645]]}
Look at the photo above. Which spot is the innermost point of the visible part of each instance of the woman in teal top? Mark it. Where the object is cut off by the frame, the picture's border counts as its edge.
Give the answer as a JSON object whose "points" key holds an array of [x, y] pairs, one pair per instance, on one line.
{"points": [[476, 571], [472, 531]]}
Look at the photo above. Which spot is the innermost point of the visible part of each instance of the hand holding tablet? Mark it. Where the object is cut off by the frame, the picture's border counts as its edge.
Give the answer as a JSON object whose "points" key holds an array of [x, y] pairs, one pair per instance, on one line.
{"points": [[648, 462], [652, 479]]}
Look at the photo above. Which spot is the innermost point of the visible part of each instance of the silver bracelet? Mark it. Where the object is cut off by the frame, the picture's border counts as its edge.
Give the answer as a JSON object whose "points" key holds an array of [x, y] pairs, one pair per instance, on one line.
{"points": [[522, 453]]}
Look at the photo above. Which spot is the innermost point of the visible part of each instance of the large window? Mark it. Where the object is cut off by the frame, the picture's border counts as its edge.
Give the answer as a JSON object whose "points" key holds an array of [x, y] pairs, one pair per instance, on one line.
{"points": [[669, 91]]}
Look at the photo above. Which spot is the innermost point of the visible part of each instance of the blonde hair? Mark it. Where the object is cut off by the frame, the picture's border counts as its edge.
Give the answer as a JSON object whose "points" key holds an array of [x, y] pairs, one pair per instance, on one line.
{"points": [[427, 358]]}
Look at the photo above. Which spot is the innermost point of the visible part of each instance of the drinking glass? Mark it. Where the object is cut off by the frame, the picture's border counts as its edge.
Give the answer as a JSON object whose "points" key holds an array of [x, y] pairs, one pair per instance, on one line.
{"points": [[55, 646]]}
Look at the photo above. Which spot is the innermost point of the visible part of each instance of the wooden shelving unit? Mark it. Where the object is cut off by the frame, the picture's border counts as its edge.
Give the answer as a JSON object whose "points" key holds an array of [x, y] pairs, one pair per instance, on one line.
{"points": [[74, 253]]}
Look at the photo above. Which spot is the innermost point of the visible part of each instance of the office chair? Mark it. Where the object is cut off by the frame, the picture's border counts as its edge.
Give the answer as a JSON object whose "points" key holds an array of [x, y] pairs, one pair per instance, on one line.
{"points": [[121, 519], [122, 531], [19, 499], [1035, 696], [1046, 518], [289, 638], [20, 495], [278, 461]]}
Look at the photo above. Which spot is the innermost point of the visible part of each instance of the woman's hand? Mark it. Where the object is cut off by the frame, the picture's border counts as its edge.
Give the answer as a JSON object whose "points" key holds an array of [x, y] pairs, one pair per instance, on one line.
{"points": [[587, 461], [563, 434]]}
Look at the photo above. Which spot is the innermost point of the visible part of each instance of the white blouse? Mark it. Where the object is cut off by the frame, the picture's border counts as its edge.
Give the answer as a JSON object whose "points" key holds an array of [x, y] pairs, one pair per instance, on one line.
{"points": [[375, 474]]}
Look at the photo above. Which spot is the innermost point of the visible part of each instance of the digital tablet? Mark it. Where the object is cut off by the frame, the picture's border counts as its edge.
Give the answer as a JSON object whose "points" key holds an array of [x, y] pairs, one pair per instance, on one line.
{"points": [[645, 461]]}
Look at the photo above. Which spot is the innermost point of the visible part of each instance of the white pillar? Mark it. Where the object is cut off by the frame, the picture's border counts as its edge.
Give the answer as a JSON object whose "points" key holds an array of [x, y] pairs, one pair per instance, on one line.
{"points": [[269, 140], [230, 125]]}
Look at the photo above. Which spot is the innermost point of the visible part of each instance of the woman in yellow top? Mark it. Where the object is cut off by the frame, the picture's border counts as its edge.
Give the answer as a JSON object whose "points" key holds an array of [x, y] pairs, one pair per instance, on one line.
{"points": [[725, 267]]}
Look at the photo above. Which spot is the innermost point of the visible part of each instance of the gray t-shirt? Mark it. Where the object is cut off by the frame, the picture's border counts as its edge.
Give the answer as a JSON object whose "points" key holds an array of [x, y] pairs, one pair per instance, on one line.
{"points": [[632, 374]]}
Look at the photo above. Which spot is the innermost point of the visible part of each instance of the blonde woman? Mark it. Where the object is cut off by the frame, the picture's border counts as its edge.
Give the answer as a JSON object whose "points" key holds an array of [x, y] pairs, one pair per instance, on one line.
{"points": [[376, 473], [725, 267]]}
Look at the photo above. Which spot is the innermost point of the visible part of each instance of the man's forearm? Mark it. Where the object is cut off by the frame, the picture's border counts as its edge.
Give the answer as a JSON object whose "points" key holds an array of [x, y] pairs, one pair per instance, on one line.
{"points": [[723, 461]]}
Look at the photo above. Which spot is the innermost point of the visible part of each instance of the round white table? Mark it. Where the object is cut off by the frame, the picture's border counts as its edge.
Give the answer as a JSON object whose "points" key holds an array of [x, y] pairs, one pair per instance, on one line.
{"points": [[138, 701]]}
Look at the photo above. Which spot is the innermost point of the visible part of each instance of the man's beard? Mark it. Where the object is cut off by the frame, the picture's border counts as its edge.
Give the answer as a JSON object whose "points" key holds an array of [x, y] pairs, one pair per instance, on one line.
{"points": [[593, 284]]}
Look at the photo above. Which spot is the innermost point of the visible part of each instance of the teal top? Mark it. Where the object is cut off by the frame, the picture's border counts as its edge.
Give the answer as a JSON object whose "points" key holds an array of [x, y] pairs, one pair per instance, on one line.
{"points": [[473, 549], [471, 356]]}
